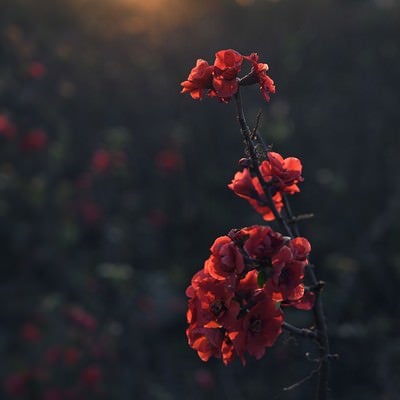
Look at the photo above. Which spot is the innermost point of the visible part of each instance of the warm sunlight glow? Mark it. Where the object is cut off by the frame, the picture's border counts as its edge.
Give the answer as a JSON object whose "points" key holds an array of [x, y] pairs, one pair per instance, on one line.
{"points": [[157, 16], [148, 5]]}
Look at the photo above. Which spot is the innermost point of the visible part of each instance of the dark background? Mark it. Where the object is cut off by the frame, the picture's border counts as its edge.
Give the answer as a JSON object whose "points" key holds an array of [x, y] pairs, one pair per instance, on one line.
{"points": [[113, 187]]}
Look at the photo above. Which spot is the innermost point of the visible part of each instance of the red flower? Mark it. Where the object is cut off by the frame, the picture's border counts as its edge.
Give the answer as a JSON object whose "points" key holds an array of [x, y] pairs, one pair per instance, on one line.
{"points": [[36, 70], [101, 160], [248, 293], [242, 184], [91, 212], [168, 160], [260, 328], [262, 242], [91, 375], [34, 140], [30, 333], [206, 341], [7, 128], [287, 281], [301, 248], [211, 302], [289, 266], [281, 174], [285, 173], [258, 74], [199, 80], [227, 65], [211, 342], [82, 318], [225, 259], [249, 188]]}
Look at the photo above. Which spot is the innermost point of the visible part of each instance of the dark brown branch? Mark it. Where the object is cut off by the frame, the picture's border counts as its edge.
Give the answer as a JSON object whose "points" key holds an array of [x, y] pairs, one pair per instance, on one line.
{"points": [[301, 217], [318, 311], [247, 134], [289, 213], [304, 380], [308, 333]]}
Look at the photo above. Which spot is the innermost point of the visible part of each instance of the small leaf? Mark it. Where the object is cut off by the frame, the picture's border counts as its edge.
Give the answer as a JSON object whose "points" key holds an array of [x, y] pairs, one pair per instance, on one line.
{"points": [[261, 278]]}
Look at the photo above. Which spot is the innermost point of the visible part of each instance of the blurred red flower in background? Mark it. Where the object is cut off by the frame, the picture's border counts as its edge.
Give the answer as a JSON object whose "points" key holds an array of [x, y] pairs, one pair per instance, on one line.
{"points": [[34, 140], [36, 70], [30, 333], [82, 318], [168, 160], [101, 160], [7, 128], [91, 375]]}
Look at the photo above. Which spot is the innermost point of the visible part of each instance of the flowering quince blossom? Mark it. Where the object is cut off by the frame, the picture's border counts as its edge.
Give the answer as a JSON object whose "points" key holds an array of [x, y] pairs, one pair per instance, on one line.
{"points": [[226, 68], [199, 79], [282, 174], [230, 311], [225, 259], [249, 188], [221, 79], [258, 74], [285, 173]]}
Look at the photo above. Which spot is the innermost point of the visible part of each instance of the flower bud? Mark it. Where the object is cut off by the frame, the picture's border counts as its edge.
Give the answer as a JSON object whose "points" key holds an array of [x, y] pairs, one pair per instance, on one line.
{"points": [[244, 162]]}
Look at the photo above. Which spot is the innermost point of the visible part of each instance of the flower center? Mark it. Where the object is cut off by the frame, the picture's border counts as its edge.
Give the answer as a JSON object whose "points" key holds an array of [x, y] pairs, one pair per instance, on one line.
{"points": [[256, 326], [217, 307]]}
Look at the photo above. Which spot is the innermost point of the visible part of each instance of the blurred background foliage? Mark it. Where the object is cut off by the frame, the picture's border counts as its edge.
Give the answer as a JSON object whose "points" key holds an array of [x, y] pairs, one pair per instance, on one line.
{"points": [[113, 187]]}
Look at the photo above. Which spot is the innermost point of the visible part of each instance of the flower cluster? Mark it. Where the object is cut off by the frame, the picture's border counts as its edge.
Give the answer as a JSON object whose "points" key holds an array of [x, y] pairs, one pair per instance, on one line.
{"points": [[281, 175], [221, 79], [235, 300]]}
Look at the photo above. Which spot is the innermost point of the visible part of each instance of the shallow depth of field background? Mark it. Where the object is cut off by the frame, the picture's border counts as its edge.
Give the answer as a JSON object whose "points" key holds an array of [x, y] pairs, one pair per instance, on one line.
{"points": [[113, 187]]}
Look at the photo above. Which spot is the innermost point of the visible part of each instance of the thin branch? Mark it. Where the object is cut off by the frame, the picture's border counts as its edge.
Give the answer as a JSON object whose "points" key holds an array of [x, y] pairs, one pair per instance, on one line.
{"points": [[289, 213], [246, 132], [304, 332], [300, 217], [304, 380], [318, 311]]}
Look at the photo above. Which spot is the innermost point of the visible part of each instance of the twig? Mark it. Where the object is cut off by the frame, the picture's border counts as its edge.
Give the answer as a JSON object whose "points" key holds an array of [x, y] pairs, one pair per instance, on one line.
{"points": [[246, 132], [304, 332], [305, 379], [318, 311]]}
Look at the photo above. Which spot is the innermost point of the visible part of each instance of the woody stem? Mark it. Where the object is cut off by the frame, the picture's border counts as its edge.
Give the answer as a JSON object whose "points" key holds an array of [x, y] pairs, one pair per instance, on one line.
{"points": [[319, 318], [299, 331], [321, 333], [246, 132]]}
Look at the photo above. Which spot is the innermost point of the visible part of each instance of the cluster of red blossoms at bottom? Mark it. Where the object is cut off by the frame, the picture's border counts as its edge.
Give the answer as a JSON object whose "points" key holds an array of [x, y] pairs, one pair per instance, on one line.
{"points": [[236, 300]]}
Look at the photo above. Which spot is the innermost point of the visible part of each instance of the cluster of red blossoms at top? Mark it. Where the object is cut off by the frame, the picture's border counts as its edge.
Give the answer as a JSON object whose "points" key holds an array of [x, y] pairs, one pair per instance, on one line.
{"points": [[236, 300], [221, 79], [281, 175]]}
